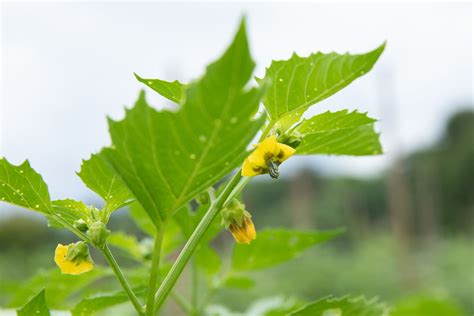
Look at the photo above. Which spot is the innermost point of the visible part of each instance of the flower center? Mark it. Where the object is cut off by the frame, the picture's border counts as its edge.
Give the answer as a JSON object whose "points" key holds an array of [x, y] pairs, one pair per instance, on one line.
{"points": [[273, 169]]}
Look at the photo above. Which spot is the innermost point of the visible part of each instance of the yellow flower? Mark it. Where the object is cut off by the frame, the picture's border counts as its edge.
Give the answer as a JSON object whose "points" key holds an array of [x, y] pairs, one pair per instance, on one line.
{"points": [[73, 259], [244, 233], [268, 155]]}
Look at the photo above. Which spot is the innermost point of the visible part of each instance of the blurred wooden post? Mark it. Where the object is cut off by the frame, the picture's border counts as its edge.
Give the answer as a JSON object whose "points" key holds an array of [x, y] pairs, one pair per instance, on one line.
{"points": [[302, 200], [426, 205], [401, 216], [398, 195]]}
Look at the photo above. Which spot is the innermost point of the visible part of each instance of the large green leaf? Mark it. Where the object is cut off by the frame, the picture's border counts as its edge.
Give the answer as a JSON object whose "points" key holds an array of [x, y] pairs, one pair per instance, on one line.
{"points": [[58, 286], [141, 218], [127, 243], [173, 91], [418, 305], [23, 186], [173, 236], [339, 133], [35, 306], [166, 158], [274, 246], [238, 282], [70, 211], [100, 178], [345, 306], [299, 82], [91, 305]]}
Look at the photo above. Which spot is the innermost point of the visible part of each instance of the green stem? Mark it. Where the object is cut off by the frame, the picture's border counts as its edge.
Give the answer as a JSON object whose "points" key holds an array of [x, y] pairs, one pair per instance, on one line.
{"points": [[73, 229], [126, 286], [238, 188], [154, 272], [193, 241], [112, 262], [266, 131]]}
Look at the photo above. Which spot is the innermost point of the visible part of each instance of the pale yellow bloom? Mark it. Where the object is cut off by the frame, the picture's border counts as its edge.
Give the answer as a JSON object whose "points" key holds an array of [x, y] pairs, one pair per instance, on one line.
{"points": [[266, 157], [75, 266], [244, 233]]}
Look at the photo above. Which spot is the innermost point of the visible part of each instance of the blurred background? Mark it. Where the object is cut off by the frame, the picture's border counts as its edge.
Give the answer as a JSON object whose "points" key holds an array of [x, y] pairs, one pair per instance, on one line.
{"points": [[409, 214]]}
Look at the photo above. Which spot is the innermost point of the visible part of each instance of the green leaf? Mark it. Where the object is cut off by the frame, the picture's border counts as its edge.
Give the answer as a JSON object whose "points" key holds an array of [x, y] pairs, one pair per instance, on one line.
{"points": [[23, 186], [207, 259], [90, 305], [299, 82], [173, 236], [100, 178], [70, 211], [58, 286], [350, 306], [127, 243], [275, 306], [166, 158], [427, 305], [173, 91], [274, 246], [141, 218], [238, 282], [339, 133], [35, 306]]}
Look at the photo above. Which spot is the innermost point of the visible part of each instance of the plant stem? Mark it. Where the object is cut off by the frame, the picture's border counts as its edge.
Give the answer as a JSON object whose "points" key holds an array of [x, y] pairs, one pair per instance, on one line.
{"points": [[73, 229], [154, 271], [238, 188], [112, 262], [267, 130], [126, 286], [193, 241]]}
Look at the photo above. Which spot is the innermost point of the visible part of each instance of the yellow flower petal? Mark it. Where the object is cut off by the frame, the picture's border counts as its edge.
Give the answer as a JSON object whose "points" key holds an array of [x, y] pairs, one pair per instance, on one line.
{"points": [[250, 170], [243, 234], [268, 150], [70, 267], [265, 150], [284, 152]]}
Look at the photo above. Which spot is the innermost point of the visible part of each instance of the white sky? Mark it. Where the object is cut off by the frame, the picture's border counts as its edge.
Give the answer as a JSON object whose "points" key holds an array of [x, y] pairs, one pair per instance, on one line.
{"points": [[64, 67]]}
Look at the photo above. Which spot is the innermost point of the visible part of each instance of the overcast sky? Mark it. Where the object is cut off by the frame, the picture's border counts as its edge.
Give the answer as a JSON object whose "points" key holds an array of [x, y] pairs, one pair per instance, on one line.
{"points": [[64, 67]]}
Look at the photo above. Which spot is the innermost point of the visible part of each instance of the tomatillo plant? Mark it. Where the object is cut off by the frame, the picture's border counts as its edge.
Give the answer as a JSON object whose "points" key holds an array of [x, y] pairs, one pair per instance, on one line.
{"points": [[181, 173]]}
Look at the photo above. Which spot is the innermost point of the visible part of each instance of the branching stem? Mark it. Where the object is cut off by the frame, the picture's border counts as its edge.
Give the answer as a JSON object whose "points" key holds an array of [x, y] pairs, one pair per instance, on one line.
{"points": [[193, 241]]}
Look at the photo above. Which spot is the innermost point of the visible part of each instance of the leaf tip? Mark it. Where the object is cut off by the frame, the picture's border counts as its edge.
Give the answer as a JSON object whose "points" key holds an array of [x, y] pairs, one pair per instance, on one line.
{"points": [[138, 77]]}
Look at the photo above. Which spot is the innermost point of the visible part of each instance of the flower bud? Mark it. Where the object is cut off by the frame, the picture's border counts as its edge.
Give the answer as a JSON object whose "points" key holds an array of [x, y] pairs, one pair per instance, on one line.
{"points": [[204, 198], [238, 221], [74, 258], [98, 234], [81, 225], [77, 252], [99, 214], [293, 140], [245, 233]]}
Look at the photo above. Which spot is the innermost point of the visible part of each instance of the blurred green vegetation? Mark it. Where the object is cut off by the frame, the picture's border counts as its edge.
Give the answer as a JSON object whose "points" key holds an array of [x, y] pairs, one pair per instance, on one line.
{"points": [[409, 236]]}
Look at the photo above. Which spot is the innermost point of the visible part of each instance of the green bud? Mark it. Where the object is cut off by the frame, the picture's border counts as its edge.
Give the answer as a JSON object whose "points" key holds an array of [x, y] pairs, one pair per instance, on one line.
{"points": [[78, 252], [293, 140], [98, 234], [99, 214], [233, 213], [81, 225], [202, 198]]}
